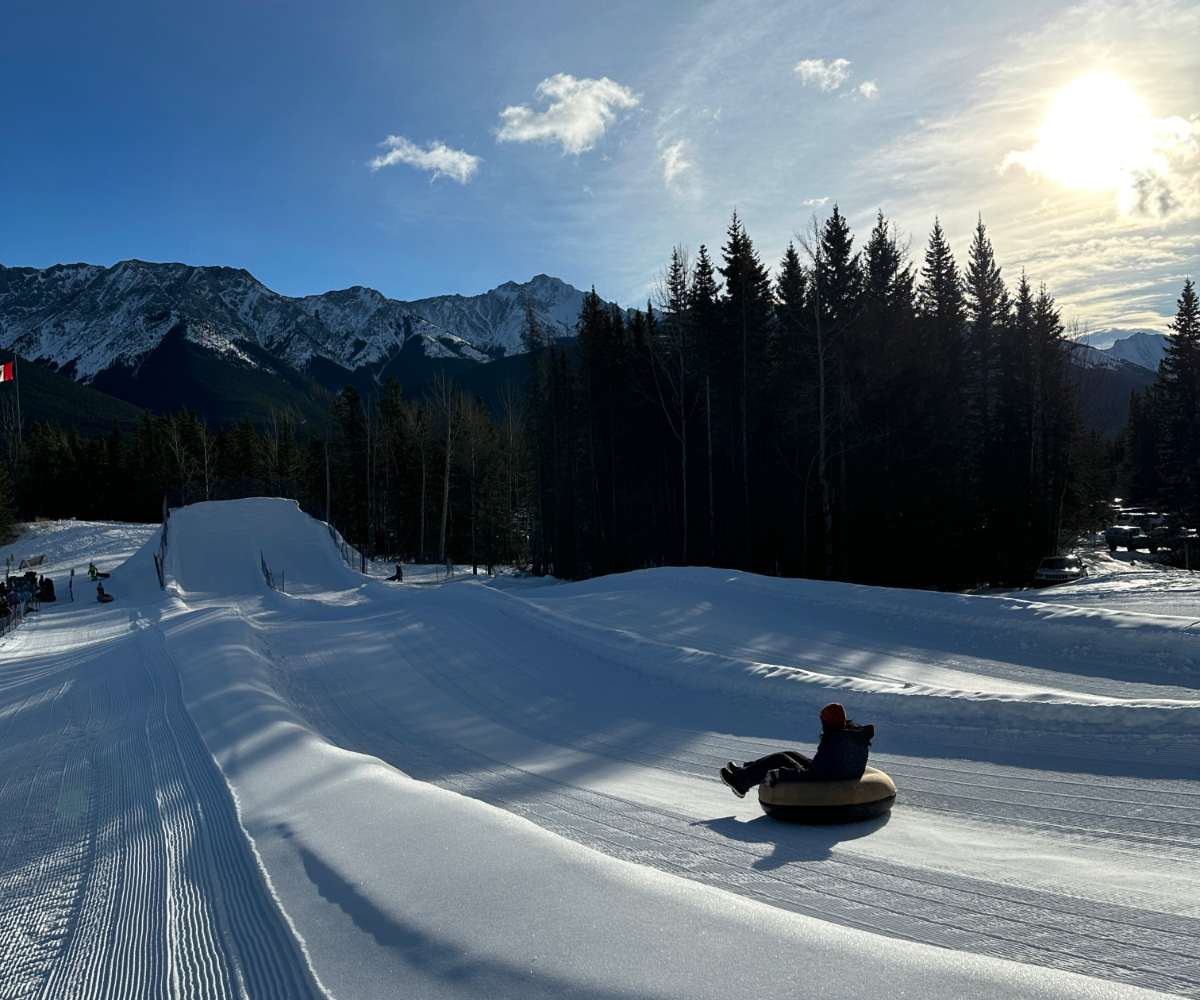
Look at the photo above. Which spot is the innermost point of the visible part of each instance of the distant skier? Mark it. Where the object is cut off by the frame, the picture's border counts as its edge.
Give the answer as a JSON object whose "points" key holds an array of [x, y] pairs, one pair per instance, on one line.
{"points": [[841, 756]]}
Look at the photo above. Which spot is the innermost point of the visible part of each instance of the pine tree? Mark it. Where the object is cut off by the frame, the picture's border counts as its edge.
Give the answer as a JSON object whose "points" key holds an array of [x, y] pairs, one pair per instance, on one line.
{"points": [[987, 310], [1056, 432], [941, 342], [348, 464], [793, 383], [1179, 382], [841, 274], [672, 365], [603, 380], [838, 277], [941, 303], [746, 328], [1141, 441], [705, 316], [894, 448]]}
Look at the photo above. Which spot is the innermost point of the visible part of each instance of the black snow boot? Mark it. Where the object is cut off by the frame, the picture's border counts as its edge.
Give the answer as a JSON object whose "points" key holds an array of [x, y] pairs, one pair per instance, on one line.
{"points": [[731, 781]]}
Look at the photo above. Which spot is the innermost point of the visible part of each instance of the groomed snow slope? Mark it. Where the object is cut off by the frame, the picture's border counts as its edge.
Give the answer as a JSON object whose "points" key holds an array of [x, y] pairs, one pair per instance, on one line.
{"points": [[480, 789]]}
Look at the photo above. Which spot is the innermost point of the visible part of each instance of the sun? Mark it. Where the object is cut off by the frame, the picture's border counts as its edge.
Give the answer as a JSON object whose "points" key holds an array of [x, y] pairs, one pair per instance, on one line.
{"points": [[1097, 135]]}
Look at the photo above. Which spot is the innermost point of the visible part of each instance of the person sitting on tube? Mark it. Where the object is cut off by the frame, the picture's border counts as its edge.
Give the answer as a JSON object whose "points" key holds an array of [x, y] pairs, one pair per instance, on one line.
{"points": [[841, 756]]}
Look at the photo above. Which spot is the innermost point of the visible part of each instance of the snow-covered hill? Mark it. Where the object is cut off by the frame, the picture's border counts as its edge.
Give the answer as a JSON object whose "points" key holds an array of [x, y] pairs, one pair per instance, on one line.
{"points": [[482, 788], [82, 319]]}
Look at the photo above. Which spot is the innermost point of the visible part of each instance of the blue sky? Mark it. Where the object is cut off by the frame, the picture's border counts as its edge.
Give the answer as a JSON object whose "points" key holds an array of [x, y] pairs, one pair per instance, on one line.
{"points": [[585, 140]]}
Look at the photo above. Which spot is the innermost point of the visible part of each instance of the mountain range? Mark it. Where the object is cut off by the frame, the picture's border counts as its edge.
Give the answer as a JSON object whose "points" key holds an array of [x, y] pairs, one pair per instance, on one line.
{"points": [[218, 340]]}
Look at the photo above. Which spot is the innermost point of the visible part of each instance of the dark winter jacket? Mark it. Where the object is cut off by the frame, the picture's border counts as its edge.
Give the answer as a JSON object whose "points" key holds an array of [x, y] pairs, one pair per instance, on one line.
{"points": [[841, 756]]}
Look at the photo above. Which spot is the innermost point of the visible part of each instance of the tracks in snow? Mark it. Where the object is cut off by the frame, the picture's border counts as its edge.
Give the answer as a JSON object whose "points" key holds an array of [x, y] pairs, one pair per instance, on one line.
{"points": [[368, 705], [123, 869]]}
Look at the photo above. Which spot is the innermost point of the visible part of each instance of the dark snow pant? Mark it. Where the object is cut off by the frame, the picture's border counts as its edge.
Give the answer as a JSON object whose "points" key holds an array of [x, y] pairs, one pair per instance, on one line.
{"points": [[752, 772]]}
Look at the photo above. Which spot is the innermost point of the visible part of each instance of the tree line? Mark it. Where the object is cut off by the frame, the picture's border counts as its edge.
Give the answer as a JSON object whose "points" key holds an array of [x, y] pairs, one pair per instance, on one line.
{"points": [[853, 415], [850, 417], [421, 480]]}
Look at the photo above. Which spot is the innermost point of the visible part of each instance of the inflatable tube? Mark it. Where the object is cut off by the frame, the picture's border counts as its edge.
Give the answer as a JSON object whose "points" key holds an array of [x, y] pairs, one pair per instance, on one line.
{"points": [[104, 598], [867, 797]]}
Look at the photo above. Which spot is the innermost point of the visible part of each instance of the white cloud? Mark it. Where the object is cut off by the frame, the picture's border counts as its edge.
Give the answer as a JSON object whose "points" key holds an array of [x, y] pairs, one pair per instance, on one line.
{"points": [[441, 159], [579, 112], [868, 89], [827, 76], [673, 162], [816, 202]]}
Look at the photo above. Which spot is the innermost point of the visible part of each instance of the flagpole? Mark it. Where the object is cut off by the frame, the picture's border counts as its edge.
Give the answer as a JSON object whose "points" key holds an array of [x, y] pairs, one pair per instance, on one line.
{"points": [[17, 388]]}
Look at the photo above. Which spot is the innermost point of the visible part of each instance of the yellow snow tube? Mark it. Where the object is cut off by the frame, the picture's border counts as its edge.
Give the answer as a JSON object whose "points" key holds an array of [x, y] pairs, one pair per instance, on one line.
{"points": [[864, 798]]}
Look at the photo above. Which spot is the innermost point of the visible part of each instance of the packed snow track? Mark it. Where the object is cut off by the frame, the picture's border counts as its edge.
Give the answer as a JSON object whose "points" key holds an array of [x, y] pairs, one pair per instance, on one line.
{"points": [[509, 789]]}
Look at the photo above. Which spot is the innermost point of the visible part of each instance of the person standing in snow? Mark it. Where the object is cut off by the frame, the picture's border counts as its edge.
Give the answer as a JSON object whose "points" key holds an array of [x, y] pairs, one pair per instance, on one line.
{"points": [[841, 756]]}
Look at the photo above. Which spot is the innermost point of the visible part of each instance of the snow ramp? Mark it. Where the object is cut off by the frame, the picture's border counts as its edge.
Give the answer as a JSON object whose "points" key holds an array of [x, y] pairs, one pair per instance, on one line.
{"points": [[217, 550]]}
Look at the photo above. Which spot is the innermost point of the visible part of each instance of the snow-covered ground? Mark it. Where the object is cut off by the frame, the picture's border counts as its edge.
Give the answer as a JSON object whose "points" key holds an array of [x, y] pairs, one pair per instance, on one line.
{"points": [[484, 788], [72, 545]]}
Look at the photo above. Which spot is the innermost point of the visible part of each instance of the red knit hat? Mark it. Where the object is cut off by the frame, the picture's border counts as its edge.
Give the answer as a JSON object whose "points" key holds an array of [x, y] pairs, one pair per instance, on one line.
{"points": [[833, 715]]}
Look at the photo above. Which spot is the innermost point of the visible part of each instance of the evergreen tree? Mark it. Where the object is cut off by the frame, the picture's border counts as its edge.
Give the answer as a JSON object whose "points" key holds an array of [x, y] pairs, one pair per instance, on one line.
{"points": [[1141, 442], [348, 463], [794, 386], [706, 322], [837, 281], [1179, 385], [742, 351], [942, 306], [672, 366], [987, 309], [603, 385], [941, 341]]}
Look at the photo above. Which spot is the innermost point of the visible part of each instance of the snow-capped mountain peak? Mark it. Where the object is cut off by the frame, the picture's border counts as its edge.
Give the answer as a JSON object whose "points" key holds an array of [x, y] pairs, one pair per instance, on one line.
{"points": [[82, 319]]}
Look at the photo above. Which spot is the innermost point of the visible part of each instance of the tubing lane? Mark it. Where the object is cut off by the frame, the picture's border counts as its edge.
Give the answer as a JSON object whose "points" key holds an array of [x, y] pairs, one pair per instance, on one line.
{"points": [[266, 956], [361, 704], [124, 871]]}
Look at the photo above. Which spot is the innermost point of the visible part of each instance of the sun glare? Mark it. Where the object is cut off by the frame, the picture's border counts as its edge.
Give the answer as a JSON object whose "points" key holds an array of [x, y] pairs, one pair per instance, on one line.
{"points": [[1097, 132], [1099, 135]]}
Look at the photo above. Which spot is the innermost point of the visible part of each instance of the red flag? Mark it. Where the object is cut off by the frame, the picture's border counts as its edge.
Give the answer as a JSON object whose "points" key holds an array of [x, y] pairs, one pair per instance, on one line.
{"points": [[6, 372]]}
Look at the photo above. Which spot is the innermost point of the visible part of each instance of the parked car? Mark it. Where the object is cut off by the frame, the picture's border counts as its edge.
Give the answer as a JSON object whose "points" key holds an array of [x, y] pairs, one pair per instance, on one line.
{"points": [[1131, 537], [1059, 569]]}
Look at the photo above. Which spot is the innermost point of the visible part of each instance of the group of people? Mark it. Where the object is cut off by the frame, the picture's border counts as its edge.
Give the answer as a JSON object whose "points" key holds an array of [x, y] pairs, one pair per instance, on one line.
{"points": [[28, 587]]}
